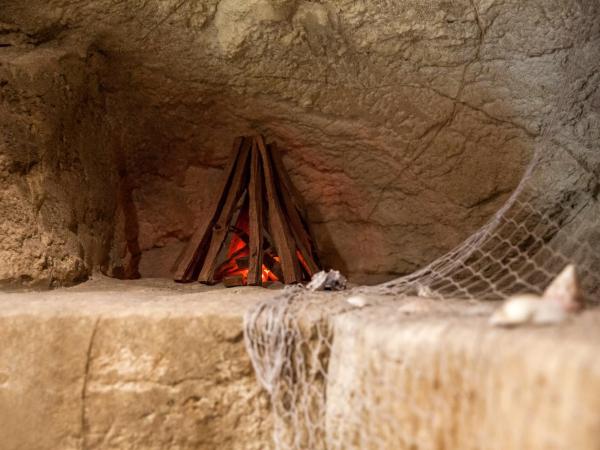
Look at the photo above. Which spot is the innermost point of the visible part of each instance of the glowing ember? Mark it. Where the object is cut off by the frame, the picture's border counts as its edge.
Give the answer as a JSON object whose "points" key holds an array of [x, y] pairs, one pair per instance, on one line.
{"points": [[239, 252], [231, 268], [268, 275]]}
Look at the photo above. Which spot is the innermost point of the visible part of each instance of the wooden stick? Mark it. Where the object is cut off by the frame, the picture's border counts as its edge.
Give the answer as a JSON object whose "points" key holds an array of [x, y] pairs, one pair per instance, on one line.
{"points": [[255, 219], [283, 240], [284, 178], [290, 207], [272, 264], [221, 228], [242, 262], [296, 199], [190, 260], [233, 281]]}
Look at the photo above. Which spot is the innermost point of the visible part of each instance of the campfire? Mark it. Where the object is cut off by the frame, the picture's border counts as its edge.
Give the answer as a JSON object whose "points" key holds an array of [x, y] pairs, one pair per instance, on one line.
{"points": [[234, 270], [255, 231]]}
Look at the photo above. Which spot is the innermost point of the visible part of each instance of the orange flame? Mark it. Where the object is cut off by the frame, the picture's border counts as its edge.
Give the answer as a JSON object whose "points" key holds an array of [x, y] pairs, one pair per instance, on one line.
{"points": [[238, 248]]}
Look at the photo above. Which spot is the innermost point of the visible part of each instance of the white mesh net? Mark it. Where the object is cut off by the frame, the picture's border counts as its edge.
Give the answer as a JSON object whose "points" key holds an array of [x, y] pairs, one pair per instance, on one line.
{"points": [[543, 226]]}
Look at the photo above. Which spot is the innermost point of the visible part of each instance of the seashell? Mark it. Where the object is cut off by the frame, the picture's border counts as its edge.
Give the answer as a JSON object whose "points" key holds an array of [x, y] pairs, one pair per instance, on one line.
{"points": [[425, 291], [331, 280], [317, 283], [547, 313], [528, 309], [565, 290], [562, 297], [357, 301], [517, 310]]}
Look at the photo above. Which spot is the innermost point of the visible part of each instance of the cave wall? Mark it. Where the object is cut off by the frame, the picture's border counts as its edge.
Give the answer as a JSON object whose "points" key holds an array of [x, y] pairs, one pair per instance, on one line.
{"points": [[56, 179], [404, 125]]}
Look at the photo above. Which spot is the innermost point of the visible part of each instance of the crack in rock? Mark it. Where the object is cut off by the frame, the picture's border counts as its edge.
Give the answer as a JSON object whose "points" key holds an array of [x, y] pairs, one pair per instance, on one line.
{"points": [[86, 374]]}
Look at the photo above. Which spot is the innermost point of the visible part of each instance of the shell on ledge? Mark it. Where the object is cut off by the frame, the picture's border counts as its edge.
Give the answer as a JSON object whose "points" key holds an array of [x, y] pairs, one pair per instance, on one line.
{"points": [[561, 298]]}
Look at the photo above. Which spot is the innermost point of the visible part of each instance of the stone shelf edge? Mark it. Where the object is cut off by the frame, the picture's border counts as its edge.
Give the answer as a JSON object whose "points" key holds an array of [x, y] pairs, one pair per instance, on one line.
{"points": [[116, 365], [451, 381], [149, 364]]}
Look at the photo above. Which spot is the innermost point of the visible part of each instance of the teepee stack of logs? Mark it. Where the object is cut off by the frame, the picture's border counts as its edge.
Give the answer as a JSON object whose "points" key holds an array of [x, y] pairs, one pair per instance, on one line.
{"points": [[255, 230]]}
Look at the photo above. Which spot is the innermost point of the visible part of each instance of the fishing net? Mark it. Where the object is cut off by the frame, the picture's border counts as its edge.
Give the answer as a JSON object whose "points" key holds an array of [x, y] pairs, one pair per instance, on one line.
{"points": [[549, 221]]}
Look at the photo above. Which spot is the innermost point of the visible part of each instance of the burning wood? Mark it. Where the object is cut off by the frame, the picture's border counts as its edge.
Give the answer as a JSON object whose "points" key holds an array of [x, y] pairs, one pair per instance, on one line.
{"points": [[254, 231]]}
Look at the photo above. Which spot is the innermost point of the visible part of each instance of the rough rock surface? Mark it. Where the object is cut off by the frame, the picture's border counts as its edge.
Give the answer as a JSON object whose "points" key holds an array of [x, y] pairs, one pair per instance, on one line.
{"points": [[56, 177], [116, 365], [404, 124], [435, 375]]}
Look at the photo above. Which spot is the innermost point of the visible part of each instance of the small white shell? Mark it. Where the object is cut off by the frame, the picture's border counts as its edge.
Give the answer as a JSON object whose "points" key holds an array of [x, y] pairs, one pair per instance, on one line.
{"points": [[516, 310], [547, 313], [565, 290], [331, 280], [425, 291], [357, 301], [562, 297], [528, 309], [317, 283]]}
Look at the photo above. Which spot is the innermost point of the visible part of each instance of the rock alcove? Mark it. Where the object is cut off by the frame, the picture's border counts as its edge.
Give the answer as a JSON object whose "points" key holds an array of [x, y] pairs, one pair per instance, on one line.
{"points": [[403, 126]]}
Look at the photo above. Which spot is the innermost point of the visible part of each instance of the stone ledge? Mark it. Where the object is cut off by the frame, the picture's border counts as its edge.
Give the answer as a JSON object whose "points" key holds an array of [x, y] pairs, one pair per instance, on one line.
{"points": [[434, 375], [124, 365], [153, 365]]}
